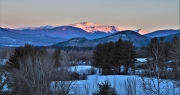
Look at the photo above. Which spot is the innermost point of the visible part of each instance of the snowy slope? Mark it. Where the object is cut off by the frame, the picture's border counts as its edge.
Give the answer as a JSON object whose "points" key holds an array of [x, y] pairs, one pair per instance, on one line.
{"points": [[94, 27]]}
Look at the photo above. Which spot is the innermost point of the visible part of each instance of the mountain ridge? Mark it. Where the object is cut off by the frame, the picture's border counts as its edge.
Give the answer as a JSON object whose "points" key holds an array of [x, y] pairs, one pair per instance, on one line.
{"points": [[160, 33], [86, 26], [93, 27], [133, 36]]}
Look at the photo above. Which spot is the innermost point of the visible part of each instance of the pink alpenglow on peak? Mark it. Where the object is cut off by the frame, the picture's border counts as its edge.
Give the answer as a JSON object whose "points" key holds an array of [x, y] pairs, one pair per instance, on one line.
{"points": [[88, 27], [94, 27], [142, 32]]}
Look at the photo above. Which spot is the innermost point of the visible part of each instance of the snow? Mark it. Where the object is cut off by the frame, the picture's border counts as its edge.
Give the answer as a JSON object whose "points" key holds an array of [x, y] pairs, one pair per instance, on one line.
{"points": [[120, 82], [141, 59], [109, 78], [93, 80], [80, 68], [33, 28], [140, 31], [3, 79], [93, 27], [3, 61]]}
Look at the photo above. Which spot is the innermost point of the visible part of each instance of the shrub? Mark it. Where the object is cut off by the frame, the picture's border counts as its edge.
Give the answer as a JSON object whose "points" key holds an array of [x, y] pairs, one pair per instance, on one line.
{"points": [[105, 89], [83, 76], [74, 76], [93, 71]]}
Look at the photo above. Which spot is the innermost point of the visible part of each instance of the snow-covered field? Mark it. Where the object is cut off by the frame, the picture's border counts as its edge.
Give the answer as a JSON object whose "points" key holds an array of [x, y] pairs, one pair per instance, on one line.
{"points": [[124, 84]]}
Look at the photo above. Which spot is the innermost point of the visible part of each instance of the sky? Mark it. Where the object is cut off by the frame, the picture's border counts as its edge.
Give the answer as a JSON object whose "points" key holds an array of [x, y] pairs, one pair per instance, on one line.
{"points": [[148, 15]]}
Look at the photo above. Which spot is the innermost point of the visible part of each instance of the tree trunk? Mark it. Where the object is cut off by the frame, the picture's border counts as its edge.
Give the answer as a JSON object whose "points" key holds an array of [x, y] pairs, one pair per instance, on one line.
{"points": [[126, 70]]}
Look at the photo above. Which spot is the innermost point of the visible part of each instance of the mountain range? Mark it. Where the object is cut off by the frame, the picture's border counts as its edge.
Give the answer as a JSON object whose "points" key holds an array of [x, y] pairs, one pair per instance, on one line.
{"points": [[90, 34], [88, 27]]}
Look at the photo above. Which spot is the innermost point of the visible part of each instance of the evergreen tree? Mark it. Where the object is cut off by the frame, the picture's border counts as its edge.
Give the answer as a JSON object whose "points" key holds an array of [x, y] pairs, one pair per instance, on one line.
{"points": [[105, 89], [107, 65], [110, 56], [128, 55], [20, 52], [118, 55], [98, 56]]}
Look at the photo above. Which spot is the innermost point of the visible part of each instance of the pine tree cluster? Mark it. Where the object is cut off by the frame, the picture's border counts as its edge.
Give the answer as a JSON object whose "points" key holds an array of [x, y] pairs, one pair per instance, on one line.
{"points": [[110, 56]]}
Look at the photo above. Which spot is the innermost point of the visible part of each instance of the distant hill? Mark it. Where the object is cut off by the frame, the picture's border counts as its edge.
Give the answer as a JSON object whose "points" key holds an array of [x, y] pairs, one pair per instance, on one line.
{"points": [[161, 33], [43, 35], [65, 32], [9, 38], [137, 39], [170, 37]]}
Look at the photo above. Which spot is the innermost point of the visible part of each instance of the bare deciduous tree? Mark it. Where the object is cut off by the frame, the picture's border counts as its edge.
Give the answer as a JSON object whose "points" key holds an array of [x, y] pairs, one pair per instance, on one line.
{"points": [[87, 88], [157, 62], [175, 58], [5, 53], [34, 74], [130, 86]]}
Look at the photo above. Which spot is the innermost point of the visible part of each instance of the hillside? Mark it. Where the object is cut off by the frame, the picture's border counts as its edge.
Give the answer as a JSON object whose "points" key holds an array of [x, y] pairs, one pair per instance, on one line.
{"points": [[161, 33], [137, 39]]}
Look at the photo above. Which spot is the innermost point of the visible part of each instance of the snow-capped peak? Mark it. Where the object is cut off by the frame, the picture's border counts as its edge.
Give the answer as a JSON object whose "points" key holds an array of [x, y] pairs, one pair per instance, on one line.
{"points": [[94, 27], [140, 31], [34, 28], [88, 27], [89, 24]]}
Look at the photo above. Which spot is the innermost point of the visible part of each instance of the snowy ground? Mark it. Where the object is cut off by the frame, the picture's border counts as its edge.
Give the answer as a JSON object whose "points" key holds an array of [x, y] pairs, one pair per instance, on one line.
{"points": [[122, 84], [80, 68], [141, 59], [3, 61]]}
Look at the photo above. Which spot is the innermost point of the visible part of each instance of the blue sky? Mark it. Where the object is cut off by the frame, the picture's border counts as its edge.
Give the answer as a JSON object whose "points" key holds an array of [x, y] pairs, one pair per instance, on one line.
{"points": [[132, 14]]}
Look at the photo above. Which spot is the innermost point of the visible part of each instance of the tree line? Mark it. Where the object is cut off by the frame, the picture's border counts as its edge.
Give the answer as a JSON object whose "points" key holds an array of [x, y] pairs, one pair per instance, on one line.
{"points": [[161, 55], [110, 56]]}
